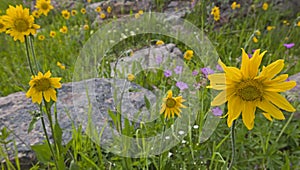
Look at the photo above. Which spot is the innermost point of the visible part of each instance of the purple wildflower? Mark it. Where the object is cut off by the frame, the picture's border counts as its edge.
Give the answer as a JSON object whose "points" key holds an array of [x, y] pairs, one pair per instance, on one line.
{"points": [[178, 69], [250, 55], [181, 85], [218, 67], [289, 45], [168, 73], [217, 111], [159, 59], [195, 73], [206, 71]]}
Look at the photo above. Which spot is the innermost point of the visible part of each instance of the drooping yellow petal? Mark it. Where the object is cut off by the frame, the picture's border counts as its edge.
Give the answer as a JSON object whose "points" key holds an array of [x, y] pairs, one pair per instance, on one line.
{"points": [[219, 99], [269, 108], [248, 114], [217, 79], [234, 109], [279, 101], [268, 116], [47, 95]]}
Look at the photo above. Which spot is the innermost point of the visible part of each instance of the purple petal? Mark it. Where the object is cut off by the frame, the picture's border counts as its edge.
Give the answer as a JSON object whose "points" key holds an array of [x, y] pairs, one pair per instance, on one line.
{"points": [[289, 45], [181, 85], [178, 69], [218, 67], [206, 71], [168, 73], [158, 59], [217, 111], [195, 73]]}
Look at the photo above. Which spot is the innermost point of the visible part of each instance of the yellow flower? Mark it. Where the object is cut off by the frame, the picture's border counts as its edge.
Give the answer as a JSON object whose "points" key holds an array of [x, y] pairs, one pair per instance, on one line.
{"points": [[60, 65], [44, 6], [65, 14], [159, 42], [257, 32], [298, 24], [265, 6], [42, 86], [89, 1], [102, 15], [269, 28], [52, 34], [83, 11], [108, 9], [19, 23], [86, 27], [41, 37], [2, 25], [36, 14], [171, 105], [64, 30], [216, 13], [234, 5], [73, 12], [130, 77], [246, 88], [141, 12], [98, 9], [137, 15], [188, 54], [255, 40]]}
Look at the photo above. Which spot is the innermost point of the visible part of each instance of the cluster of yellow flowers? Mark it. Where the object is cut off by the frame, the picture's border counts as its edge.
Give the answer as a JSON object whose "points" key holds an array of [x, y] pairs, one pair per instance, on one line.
{"points": [[216, 13]]}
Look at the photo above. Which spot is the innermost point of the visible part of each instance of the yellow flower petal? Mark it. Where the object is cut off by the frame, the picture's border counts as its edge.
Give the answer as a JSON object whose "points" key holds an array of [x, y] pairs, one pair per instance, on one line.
{"points": [[279, 101], [271, 70], [268, 116], [245, 63], [234, 109], [270, 109], [280, 87], [248, 114], [219, 99]]}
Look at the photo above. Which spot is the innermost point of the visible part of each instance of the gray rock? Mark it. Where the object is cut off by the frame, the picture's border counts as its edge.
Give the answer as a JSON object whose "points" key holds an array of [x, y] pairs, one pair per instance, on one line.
{"points": [[15, 110]]}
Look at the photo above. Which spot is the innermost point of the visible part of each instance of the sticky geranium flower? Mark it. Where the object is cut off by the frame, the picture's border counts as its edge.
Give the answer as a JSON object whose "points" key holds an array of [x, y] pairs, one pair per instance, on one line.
{"points": [[247, 88], [19, 23], [178, 69], [216, 111], [207, 71], [159, 59], [168, 73], [289, 45], [171, 105], [195, 73], [42, 86], [44, 6], [182, 85]]}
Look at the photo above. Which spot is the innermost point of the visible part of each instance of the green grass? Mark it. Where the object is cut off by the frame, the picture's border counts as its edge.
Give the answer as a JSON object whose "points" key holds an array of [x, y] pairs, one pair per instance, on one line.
{"points": [[270, 145]]}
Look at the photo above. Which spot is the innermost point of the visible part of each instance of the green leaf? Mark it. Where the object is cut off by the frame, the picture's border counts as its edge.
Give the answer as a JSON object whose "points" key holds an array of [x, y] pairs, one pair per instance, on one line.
{"points": [[43, 153], [147, 102], [74, 166], [58, 136]]}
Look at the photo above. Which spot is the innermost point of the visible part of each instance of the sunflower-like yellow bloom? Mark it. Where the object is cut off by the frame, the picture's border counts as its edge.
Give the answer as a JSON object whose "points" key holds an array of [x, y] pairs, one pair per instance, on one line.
{"points": [[41, 37], [235, 5], [130, 77], [171, 105], [160, 42], [108, 10], [65, 14], [44, 6], [36, 14], [86, 27], [246, 88], [216, 13], [2, 25], [42, 86], [188, 54], [73, 12], [102, 15], [265, 6], [83, 10], [19, 23], [64, 30], [52, 34]]}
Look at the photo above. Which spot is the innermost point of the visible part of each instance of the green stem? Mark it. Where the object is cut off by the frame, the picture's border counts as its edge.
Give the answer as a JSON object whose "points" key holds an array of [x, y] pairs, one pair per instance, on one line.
{"points": [[28, 56], [160, 157], [232, 145], [50, 122], [33, 54], [47, 137]]}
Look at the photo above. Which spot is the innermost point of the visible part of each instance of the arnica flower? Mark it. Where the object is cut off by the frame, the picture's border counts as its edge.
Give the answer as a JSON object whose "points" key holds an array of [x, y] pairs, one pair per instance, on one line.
{"points": [[42, 86], [159, 42], [52, 34], [288, 46], [188, 54], [265, 6], [83, 10], [65, 14], [41, 37], [88, 1], [298, 23], [216, 13], [130, 77], [64, 30], [246, 88], [102, 15], [73, 12], [141, 12], [269, 28], [108, 9], [257, 32], [36, 14], [2, 25], [86, 27], [44, 6], [98, 9], [137, 15], [255, 40], [182, 85], [171, 105], [19, 23], [235, 5], [60, 65]]}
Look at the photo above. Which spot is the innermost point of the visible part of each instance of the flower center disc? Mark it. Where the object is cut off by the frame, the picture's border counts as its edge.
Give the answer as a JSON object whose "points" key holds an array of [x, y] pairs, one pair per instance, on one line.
{"points": [[250, 90], [21, 25], [170, 103], [44, 6], [1, 25], [43, 84]]}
